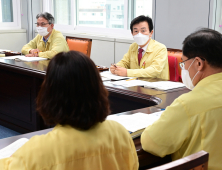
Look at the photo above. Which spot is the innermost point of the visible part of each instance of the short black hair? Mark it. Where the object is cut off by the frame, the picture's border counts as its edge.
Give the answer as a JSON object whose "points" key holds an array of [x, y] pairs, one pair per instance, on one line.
{"points": [[47, 16], [204, 43], [139, 19], [72, 92]]}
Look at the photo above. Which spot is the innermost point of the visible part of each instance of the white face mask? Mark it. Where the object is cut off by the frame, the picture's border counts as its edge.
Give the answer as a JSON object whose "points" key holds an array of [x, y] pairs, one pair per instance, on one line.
{"points": [[42, 31], [141, 39], [186, 77]]}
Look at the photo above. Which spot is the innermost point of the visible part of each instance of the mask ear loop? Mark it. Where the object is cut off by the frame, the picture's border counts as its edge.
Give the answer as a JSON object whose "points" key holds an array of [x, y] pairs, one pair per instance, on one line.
{"points": [[190, 65], [195, 74]]}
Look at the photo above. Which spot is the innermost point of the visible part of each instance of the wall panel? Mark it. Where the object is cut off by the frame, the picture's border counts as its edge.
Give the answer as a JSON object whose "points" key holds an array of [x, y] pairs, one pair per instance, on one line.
{"points": [[12, 40], [175, 19]]}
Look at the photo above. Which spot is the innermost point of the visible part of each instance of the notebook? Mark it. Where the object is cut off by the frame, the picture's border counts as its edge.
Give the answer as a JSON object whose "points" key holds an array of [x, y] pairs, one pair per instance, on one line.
{"points": [[12, 148]]}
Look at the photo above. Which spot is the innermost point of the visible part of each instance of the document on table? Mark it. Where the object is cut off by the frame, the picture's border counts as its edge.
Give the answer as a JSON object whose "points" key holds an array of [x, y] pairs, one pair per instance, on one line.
{"points": [[1, 50], [24, 58], [159, 85], [105, 79], [111, 76], [130, 83], [136, 121], [12, 148], [164, 85]]}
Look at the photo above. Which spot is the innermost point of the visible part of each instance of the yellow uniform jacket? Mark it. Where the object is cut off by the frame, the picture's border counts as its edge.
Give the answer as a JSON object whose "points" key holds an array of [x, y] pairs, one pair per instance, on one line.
{"points": [[106, 146], [55, 44], [154, 62], [190, 124]]}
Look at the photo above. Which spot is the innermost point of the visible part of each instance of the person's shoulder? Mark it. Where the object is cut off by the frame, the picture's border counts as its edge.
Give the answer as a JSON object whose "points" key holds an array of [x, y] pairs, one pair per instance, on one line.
{"points": [[57, 33], [133, 45], [189, 102], [35, 145], [116, 131], [115, 125], [37, 37], [157, 44]]}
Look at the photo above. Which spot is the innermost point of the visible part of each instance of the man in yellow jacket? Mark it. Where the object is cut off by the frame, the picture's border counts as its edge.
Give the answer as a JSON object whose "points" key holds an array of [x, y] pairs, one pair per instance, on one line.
{"points": [[145, 57], [193, 121], [48, 42]]}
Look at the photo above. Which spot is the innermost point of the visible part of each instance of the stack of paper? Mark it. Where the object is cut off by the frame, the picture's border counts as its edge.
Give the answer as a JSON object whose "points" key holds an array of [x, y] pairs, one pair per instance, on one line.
{"points": [[136, 122], [159, 85], [10, 149], [24, 58], [111, 76], [130, 83], [164, 85], [1, 50]]}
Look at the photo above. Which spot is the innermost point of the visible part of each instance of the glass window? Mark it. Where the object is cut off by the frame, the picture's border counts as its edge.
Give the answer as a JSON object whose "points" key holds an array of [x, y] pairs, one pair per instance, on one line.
{"points": [[122, 7], [139, 7], [102, 14], [6, 11], [101, 10], [143, 7], [61, 11]]}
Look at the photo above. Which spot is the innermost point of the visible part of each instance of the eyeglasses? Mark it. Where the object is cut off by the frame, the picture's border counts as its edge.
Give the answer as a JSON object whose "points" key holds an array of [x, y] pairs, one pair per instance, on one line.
{"points": [[41, 24], [182, 64]]}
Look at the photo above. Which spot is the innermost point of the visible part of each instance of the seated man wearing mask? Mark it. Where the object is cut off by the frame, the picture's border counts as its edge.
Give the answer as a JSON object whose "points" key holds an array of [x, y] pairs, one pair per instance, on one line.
{"points": [[48, 42], [146, 57], [193, 121]]}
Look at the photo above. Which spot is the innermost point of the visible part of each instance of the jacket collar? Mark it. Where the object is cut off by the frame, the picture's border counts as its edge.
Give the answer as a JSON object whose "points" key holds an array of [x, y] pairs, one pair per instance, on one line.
{"points": [[209, 79]]}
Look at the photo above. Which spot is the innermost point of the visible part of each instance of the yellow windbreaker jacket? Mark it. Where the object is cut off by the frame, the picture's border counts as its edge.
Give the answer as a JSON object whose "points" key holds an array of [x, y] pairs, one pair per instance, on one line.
{"points": [[55, 44], [190, 124], [106, 146], [154, 62]]}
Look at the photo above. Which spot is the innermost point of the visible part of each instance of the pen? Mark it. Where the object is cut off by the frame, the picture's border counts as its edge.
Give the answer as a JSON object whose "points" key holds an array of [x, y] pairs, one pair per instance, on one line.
{"points": [[38, 52], [132, 79], [113, 64]]}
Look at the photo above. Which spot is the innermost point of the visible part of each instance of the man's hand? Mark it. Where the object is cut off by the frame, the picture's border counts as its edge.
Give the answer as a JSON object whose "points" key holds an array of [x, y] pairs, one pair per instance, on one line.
{"points": [[34, 52], [112, 69], [121, 71], [29, 55]]}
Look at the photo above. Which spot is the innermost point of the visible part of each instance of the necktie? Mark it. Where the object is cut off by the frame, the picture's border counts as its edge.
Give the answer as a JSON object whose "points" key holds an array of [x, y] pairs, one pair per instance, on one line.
{"points": [[140, 55]]}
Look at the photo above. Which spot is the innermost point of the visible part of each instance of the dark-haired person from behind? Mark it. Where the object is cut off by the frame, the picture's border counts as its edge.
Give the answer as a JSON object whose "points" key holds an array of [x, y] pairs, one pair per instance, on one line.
{"points": [[73, 98], [146, 57], [193, 121]]}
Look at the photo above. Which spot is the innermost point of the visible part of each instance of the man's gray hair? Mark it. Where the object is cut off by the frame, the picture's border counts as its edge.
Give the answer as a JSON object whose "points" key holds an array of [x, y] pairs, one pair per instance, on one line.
{"points": [[47, 16]]}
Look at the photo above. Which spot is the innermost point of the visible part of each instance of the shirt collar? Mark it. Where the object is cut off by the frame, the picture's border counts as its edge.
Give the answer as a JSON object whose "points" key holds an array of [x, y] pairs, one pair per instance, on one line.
{"points": [[145, 47], [45, 40]]}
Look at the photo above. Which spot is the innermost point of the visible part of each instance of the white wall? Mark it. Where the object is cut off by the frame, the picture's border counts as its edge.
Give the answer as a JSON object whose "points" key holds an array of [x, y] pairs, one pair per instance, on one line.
{"points": [[105, 50], [12, 39], [175, 19]]}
